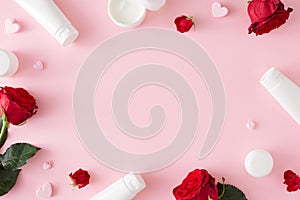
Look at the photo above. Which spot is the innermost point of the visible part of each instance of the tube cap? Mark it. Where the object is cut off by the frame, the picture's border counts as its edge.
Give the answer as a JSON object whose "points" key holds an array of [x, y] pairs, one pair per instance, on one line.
{"points": [[66, 35], [134, 183], [271, 78], [8, 63]]}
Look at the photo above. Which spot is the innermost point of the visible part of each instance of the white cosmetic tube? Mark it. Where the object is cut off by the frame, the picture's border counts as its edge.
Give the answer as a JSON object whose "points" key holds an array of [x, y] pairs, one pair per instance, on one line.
{"points": [[126, 188], [286, 92], [51, 18]]}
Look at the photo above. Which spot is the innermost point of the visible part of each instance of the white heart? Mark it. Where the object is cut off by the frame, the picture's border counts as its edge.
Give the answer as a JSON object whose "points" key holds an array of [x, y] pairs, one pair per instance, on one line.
{"points": [[218, 10], [47, 165], [45, 191], [11, 26], [38, 65]]}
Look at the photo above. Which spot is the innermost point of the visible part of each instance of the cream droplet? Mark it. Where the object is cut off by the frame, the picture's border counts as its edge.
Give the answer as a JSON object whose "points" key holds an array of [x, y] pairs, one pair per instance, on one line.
{"points": [[251, 125]]}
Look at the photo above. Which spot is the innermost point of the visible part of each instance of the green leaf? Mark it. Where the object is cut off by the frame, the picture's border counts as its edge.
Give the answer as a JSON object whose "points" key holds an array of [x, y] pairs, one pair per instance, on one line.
{"points": [[17, 155], [8, 179], [231, 192], [4, 137]]}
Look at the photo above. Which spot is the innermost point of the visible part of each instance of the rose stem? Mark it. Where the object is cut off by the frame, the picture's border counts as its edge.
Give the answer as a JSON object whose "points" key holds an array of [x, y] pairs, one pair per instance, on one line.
{"points": [[5, 124]]}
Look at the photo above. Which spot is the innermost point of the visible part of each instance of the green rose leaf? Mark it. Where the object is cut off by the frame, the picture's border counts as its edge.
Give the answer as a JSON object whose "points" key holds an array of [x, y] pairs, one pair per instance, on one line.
{"points": [[8, 180], [17, 155], [4, 136], [231, 192]]}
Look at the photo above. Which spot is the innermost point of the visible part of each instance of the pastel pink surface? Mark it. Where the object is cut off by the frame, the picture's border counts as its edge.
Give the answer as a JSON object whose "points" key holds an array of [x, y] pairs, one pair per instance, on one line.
{"points": [[241, 59]]}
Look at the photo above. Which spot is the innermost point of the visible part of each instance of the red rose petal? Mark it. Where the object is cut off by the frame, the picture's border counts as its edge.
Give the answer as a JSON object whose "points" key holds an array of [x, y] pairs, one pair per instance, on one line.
{"points": [[198, 185], [266, 15]]}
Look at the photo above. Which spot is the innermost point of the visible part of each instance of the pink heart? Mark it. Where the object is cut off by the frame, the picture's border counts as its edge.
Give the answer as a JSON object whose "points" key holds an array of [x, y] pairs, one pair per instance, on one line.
{"points": [[11, 26], [45, 191], [47, 165], [38, 65], [218, 10]]}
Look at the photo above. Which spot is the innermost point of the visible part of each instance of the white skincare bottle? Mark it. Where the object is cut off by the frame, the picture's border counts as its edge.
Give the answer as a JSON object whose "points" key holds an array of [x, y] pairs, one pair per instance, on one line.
{"points": [[51, 18], [8, 63], [286, 92], [126, 188]]}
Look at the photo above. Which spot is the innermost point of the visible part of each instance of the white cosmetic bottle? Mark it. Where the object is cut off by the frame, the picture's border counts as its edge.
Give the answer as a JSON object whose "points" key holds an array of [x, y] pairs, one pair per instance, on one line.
{"points": [[286, 92], [125, 188], [8, 63], [51, 18]]}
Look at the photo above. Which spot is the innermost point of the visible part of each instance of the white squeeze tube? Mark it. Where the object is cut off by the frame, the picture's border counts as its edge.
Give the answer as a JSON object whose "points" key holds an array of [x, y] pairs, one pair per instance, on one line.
{"points": [[51, 18], [126, 188], [286, 92]]}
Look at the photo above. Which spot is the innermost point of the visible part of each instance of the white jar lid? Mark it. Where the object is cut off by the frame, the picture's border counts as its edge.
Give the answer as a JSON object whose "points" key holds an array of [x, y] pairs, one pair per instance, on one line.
{"points": [[259, 163], [8, 63], [126, 13]]}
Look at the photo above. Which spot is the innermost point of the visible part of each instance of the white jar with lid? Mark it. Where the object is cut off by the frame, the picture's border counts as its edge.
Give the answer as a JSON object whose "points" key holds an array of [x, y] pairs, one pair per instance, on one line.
{"points": [[259, 163], [8, 63]]}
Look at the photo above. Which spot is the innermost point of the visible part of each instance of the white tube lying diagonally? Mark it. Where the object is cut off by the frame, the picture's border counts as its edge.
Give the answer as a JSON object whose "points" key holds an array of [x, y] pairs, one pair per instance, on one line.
{"points": [[51, 18], [286, 92], [125, 188]]}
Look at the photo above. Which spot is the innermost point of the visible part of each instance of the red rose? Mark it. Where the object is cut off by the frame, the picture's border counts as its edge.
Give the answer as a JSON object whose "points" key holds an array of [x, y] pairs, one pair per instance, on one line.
{"points": [[292, 181], [184, 23], [17, 104], [266, 15], [80, 178], [198, 185]]}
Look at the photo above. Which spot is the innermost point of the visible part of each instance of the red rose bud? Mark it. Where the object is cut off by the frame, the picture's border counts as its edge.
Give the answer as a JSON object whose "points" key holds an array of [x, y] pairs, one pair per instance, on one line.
{"points": [[184, 23], [292, 181], [17, 104], [198, 185], [266, 15], [80, 178]]}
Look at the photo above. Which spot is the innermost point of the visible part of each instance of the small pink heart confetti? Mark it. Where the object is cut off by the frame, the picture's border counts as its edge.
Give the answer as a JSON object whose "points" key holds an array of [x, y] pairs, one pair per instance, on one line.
{"points": [[39, 65], [218, 10], [47, 165], [12, 26], [251, 125], [45, 191]]}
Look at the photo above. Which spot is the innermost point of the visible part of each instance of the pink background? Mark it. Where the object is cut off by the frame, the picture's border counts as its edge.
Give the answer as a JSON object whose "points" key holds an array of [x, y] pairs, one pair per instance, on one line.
{"points": [[240, 58]]}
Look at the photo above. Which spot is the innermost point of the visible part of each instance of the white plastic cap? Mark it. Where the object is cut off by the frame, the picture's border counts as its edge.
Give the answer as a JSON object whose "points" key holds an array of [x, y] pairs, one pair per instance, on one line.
{"points": [[259, 163], [153, 5], [66, 35], [271, 78], [134, 183], [8, 63]]}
